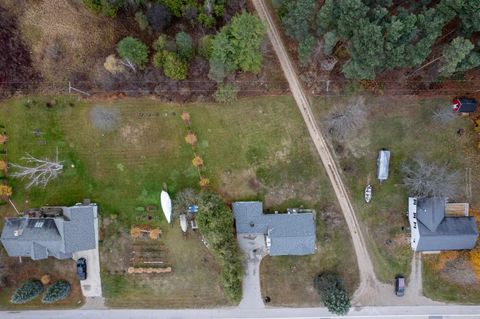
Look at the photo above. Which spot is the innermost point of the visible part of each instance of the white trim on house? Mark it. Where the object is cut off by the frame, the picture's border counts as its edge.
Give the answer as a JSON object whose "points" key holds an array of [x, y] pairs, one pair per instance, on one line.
{"points": [[412, 218]]}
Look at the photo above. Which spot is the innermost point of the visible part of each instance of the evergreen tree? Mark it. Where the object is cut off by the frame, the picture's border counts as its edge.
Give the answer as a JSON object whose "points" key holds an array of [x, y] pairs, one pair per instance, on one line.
{"points": [[56, 292], [453, 54], [332, 292], [184, 45], [28, 291], [133, 50]]}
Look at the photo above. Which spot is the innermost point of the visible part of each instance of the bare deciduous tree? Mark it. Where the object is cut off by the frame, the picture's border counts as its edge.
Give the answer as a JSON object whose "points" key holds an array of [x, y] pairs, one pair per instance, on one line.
{"points": [[443, 115], [38, 171], [430, 179], [344, 120]]}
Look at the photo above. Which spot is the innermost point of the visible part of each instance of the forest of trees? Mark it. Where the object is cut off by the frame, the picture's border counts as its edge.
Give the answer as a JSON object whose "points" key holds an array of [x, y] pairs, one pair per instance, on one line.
{"points": [[229, 43], [382, 35]]}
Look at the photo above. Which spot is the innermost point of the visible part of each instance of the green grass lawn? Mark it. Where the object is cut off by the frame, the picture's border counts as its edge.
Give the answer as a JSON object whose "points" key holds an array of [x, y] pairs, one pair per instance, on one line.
{"points": [[404, 126], [253, 149]]}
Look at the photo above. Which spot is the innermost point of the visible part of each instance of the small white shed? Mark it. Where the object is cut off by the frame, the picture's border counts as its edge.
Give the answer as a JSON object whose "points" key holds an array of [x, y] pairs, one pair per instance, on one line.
{"points": [[383, 162]]}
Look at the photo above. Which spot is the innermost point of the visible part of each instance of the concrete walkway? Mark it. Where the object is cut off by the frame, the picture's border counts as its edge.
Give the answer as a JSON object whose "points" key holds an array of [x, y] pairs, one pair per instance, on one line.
{"points": [[253, 247]]}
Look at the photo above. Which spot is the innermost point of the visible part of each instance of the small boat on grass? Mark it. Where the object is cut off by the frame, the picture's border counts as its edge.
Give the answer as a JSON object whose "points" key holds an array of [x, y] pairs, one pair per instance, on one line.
{"points": [[183, 222], [368, 193], [166, 204]]}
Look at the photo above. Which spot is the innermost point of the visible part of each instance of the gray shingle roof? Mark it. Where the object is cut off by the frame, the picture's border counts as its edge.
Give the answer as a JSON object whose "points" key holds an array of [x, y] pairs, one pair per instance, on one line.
{"points": [[290, 234], [431, 211], [453, 233], [59, 237]]}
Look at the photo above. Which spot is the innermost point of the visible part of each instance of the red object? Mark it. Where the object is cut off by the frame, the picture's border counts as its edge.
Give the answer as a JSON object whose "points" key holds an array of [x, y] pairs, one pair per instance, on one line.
{"points": [[456, 105]]}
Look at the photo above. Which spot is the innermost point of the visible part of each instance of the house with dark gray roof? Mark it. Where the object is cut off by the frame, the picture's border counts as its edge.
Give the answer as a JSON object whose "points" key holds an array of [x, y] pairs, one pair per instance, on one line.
{"points": [[291, 233], [40, 236], [433, 230]]}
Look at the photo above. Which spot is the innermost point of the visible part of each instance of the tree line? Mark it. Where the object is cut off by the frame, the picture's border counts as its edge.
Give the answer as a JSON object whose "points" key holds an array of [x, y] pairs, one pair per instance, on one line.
{"points": [[382, 35]]}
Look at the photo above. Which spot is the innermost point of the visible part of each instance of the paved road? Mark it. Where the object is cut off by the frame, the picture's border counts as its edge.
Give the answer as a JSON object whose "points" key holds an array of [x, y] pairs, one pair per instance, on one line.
{"points": [[424, 312], [367, 291]]}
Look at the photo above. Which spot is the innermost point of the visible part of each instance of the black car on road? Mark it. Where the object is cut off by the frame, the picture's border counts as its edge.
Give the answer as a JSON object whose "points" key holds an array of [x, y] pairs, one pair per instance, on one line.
{"points": [[82, 268], [399, 285]]}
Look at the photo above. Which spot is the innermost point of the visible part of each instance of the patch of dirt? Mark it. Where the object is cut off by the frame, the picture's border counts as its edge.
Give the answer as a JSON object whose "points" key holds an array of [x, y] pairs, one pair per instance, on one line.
{"points": [[332, 217], [104, 119], [134, 134], [67, 40], [115, 249], [280, 193], [16, 71], [459, 271], [239, 184]]}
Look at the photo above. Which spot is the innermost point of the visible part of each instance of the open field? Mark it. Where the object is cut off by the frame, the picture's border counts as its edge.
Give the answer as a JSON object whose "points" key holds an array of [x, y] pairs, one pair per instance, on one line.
{"points": [[405, 127], [252, 149]]}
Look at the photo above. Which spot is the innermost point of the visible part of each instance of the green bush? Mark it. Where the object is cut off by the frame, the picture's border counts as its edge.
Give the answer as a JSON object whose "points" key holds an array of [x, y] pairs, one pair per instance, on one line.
{"points": [[184, 45], [332, 292], [157, 60], [56, 292], [204, 47], [173, 66], [206, 20], [133, 50], [103, 7], [28, 291], [160, 44], [225, 93], [305, 50], [330, 40], [142, 20], [215, 221]]}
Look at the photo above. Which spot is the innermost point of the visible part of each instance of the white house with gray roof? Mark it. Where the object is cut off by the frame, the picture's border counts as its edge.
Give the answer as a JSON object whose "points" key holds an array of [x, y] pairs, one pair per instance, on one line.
{"points": [[432, 230], [291, 233], [71, 230]]}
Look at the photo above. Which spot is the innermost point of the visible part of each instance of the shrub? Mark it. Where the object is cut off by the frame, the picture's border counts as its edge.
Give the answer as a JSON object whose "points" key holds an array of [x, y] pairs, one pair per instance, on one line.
{"points": [[215, 221], [206, 20], [184, 45], [157, 60], [142, 20], [205, 46], [332, 292], [174, 67], [331, 40], [305, 49], [56, 292], [28, 291], [133, 50], [225, 93], [160, 43], [103, 7]]}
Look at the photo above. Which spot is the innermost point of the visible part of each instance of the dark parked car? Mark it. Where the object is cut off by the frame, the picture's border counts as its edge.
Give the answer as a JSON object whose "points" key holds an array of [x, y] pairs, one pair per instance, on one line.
{"points": [[82, 269], [399, 285]]}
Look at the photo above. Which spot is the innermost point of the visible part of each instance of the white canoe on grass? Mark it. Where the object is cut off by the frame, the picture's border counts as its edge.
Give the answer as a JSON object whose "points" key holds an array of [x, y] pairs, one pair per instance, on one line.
{"points": [[183, 223], [368, 193], [166, 203]]}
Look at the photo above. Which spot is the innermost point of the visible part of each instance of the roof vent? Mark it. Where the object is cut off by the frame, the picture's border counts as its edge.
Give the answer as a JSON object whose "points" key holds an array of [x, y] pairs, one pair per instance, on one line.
{"points": [[38, 224], [18, 232]]}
